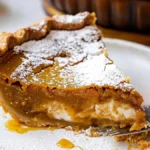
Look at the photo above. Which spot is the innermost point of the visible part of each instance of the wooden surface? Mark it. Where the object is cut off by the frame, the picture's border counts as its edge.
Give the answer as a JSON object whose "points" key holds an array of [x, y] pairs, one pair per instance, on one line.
{"points": [[111, 33]]}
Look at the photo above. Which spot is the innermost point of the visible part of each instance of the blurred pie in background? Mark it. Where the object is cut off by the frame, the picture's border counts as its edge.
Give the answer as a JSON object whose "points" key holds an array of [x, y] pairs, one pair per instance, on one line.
{"points": [[119, 14]]}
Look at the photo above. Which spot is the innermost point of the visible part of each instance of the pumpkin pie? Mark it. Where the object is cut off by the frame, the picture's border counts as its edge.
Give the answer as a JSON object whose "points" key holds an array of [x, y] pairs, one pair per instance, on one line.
{"points": [[57, 73]]}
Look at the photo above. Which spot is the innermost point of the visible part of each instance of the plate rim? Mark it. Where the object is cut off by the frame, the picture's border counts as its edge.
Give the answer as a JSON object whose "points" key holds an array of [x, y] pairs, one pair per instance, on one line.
{"points": [[126, 43]]}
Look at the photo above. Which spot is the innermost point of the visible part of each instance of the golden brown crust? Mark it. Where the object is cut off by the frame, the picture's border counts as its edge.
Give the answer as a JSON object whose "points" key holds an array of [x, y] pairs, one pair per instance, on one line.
{"points": [[39, 30], [89, 20], [139, 139]]}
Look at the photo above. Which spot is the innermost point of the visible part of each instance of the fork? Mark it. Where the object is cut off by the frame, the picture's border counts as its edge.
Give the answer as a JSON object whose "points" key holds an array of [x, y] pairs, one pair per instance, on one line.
{"points": [[124, 131]]}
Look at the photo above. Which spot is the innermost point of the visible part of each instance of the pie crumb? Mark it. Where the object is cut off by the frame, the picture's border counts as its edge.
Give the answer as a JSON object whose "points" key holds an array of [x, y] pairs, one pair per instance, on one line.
{"points": [[127, 79], [137, 141]]}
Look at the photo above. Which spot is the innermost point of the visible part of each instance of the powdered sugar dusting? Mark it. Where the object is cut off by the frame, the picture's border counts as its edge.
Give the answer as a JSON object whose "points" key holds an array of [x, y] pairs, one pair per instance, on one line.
{"points": [[79, 57], [29, 65], [66, 47], [97, 70], [71, 19]]}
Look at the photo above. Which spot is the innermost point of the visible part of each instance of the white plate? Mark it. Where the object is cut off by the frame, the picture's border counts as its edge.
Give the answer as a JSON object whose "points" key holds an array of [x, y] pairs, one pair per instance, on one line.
{"points": [[133, 59]]}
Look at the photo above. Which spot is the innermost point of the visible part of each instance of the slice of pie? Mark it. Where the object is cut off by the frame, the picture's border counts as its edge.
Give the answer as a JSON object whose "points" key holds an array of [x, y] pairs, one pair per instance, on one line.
{"points": [[58, 73]]}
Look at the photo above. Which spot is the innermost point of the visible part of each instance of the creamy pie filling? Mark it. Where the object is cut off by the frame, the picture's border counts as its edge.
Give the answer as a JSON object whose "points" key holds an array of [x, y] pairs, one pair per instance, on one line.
{"points": [[109, 110], [39, 109]]}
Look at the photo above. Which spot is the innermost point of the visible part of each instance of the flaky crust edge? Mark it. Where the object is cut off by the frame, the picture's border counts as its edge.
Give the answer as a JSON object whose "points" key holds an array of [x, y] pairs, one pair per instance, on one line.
{"points": [[39, 30]]}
